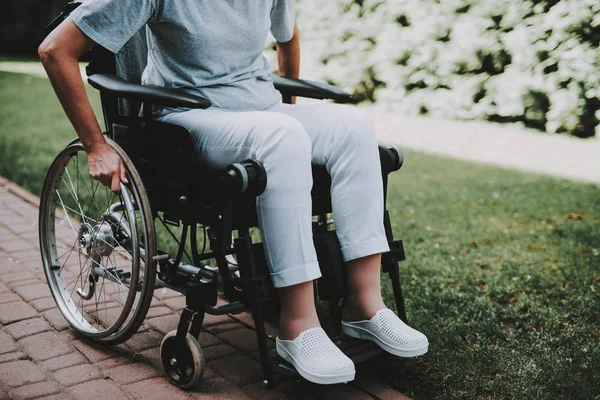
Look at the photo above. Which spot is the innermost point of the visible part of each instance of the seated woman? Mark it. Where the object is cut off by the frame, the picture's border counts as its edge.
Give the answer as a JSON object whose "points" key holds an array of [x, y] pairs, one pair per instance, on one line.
{"points": [[215, 49]]}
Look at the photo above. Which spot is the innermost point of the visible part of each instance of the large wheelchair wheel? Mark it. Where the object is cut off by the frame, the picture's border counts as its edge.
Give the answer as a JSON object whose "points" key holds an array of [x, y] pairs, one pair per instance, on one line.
{"points": [[97, 247]]}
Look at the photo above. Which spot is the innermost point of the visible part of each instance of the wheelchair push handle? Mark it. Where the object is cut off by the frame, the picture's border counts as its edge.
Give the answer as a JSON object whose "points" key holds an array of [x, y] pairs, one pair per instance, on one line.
{"points": [[67, 10], [248, 176]]}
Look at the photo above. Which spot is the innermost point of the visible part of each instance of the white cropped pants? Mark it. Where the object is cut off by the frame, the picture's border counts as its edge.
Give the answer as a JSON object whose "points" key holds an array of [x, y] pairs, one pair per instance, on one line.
{"points": [[287, 139]]}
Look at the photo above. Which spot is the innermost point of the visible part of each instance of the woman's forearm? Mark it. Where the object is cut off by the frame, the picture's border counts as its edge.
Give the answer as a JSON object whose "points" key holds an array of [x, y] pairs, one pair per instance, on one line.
{"points": [[288, 56]]}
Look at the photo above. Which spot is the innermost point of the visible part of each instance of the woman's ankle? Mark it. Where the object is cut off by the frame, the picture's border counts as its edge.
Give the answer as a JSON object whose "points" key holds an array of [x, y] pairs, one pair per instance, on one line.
{"points": [[361, 310], [297, 310], [290, 329]]}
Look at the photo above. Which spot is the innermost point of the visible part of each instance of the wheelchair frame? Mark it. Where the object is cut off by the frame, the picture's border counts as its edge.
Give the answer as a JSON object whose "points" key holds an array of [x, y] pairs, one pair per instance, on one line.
{"points": [[165, 159]]}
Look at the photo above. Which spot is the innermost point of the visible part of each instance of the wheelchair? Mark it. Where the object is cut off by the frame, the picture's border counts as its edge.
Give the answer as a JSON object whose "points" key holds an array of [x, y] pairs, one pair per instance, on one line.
{"points": [[100, 252]]}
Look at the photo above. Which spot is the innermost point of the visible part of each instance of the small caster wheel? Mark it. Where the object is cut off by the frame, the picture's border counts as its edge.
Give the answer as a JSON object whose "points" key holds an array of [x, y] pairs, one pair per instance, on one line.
{"points": [[182, 361]]}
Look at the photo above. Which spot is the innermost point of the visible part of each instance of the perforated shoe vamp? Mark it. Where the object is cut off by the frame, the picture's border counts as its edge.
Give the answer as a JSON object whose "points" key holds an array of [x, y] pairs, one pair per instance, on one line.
{"points": [[320, 354], [393, 331]]}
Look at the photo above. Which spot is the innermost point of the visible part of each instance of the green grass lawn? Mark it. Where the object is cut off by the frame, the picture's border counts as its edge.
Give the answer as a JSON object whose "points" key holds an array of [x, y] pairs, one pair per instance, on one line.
{"points": [[504, 283]]}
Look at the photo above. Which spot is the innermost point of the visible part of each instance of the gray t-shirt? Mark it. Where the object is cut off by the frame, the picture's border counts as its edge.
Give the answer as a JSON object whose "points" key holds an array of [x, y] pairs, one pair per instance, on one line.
{"points": [[210, 47]]}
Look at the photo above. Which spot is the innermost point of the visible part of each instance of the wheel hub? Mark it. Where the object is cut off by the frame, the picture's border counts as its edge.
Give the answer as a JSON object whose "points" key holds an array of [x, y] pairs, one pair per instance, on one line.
{"points": [[96, 240]]}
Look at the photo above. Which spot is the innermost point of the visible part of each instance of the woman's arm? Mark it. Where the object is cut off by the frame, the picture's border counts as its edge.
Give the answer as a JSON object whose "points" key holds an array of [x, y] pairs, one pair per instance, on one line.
{"points": [[60, 53], [288, 57]]}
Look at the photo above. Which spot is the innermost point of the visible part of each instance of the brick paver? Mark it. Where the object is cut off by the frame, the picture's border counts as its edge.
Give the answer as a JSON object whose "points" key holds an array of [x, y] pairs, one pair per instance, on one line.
{"points": [[346, 392], [218, 351], [165, 323], [19, 373], [229, 326], [144, 340], [16, 311], [12, 356], [40, 357], [35, 390], [27, 327], [242, 339], [238, 368], [44, 304], [17, 275], [158, 311], [97, 389], [33, 291], [207, 340], [375, 388], [56, 319], [158, 388], [45, 345], [92, 351], [8, 297], [77, 374], [7, 345], [131, 373], [219, 389], [65, 361]]}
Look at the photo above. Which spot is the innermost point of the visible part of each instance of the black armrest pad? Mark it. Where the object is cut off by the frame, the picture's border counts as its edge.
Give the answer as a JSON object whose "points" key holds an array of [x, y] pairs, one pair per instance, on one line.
{"points": [[166, 97], [311, 89]]}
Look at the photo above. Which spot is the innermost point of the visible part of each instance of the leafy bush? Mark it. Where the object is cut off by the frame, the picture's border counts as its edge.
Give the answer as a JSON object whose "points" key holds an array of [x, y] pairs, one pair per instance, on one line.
{"points": [[529, 61]]}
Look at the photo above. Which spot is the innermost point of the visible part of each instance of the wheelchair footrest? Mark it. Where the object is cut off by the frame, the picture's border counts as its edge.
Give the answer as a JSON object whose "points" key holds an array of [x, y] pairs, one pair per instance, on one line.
{"points": [[357, 350]]}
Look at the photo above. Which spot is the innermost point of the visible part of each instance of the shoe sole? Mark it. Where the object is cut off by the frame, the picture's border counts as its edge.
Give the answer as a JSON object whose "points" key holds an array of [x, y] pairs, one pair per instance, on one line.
{"points": [[311, 376], [361, 333]]}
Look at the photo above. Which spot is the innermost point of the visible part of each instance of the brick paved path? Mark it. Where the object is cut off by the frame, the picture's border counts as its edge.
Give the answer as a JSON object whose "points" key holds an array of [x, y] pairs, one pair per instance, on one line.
{"points": [[40, 357]]}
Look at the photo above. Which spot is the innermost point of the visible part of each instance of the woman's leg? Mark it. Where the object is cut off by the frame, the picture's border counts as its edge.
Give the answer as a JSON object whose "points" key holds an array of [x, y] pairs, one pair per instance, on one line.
{"points": [[284, 210], [283, 147], [343, 140], [298, 313], [363, 280]]}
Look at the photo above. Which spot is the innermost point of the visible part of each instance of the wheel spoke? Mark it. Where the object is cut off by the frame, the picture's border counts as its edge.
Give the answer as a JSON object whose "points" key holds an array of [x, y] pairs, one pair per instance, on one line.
{"points": [[116, 279], [69, 250], [81, 215], [66, 213], [93, 194], [81, 270], [74, 195]]}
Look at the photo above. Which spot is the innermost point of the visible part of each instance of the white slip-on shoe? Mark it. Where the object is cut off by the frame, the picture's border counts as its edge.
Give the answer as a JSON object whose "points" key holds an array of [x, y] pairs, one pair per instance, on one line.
{"points": [[390, 333], [316, 358]]}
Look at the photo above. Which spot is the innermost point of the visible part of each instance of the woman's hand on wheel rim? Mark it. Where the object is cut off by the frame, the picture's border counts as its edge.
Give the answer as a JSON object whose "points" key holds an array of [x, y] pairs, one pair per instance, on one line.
{"points": [[107, 167]]}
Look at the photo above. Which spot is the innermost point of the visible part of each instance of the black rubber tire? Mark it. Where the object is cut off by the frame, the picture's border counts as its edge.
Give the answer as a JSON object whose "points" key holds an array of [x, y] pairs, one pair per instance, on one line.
{"points": [[189, 353]]}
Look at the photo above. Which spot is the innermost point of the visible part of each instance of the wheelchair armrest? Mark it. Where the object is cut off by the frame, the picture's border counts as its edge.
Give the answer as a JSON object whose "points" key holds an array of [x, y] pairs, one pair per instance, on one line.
{"points": [[311, 89], [166, 97]]}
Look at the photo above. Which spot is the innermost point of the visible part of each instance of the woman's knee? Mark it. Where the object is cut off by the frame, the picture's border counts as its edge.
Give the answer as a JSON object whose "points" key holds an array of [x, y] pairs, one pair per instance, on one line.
{"points": [[284, 138], [356, 130], [285, 151]]}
